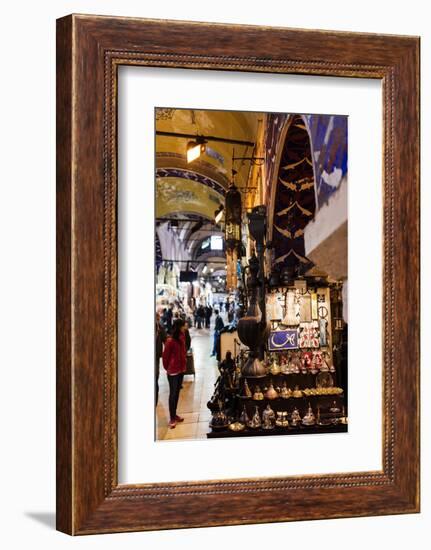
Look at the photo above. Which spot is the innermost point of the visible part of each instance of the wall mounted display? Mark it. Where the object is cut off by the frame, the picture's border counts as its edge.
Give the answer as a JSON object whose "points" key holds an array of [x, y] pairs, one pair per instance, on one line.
{"points": [[281, 340], [179, 130], [309, 335]]}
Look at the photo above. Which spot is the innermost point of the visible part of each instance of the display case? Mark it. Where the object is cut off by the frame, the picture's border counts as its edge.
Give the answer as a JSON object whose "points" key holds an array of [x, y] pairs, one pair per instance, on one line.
{"points": [[300, 385]]}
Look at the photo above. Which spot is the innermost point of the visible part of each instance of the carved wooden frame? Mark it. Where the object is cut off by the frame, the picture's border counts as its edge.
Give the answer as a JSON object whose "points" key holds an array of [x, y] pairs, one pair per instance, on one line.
{"points": [[89, 51]]}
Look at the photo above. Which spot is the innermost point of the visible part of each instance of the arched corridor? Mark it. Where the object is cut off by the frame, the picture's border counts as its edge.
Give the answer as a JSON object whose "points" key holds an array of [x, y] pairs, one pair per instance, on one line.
{"points": [[280, 170]]}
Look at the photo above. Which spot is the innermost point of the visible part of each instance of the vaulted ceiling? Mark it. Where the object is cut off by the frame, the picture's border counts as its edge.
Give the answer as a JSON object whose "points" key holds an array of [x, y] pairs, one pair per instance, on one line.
{"points": [[193, 191], [217, 163]]}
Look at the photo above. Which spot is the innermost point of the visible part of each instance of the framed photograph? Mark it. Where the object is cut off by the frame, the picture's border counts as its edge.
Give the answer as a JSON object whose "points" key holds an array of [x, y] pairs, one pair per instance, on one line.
{"points": [[237, 274]]}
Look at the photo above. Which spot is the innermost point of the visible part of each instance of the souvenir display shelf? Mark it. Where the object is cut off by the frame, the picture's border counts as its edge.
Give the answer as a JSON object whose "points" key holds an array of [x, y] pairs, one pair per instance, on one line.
{"points": [[300, 430], [300, 389]]}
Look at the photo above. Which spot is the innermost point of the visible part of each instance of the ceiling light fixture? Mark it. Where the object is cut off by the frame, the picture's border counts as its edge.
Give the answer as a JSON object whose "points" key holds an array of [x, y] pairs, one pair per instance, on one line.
{"points": [[195, 149]]}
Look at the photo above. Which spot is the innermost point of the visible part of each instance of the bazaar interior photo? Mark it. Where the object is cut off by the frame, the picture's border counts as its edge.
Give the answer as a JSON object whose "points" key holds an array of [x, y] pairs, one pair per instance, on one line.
{"points": [[251, 272]]}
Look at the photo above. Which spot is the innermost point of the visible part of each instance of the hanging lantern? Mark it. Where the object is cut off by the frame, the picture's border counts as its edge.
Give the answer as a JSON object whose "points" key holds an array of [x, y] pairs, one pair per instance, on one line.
{"points": [[233, 213]]}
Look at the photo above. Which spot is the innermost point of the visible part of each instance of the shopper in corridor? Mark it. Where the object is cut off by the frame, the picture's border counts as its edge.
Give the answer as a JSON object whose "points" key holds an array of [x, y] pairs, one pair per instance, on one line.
{"points": [[174, 361]]}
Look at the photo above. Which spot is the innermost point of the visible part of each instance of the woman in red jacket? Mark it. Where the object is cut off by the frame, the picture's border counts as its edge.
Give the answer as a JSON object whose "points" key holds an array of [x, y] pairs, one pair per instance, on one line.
{"points": [[174, 361]]}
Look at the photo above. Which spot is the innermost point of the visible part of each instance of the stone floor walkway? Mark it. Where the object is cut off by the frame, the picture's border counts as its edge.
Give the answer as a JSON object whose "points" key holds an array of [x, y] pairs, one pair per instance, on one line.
{"points": [[195, 393]]}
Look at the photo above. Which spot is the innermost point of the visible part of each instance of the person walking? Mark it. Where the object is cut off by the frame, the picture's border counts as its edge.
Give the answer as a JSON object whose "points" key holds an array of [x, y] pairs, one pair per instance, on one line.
{"points": [[164, 317], [187, 337], [230, 313], [208, 313], [218, 326], [160, 340], [169, 316], [174, 362], [201, 316]]}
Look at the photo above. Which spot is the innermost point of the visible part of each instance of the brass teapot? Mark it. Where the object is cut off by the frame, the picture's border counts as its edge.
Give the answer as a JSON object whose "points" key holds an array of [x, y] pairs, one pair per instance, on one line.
{"points": [[274, 367], [257, 395], [236, 426], [271, 393], [286, 392], [219, 419], [297, 392]]}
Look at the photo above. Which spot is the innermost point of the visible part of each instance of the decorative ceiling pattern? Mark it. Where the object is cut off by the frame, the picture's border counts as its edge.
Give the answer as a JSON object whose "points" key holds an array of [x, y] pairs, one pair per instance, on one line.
{"points": [[200, 166], [294, 201], [191, 175], [226, 124], [328, 139], [185, 195], [193, 191]]}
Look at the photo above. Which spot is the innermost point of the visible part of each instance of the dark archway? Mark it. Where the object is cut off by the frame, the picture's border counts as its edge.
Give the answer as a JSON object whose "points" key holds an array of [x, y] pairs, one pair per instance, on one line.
{"points": [[294, 203]]}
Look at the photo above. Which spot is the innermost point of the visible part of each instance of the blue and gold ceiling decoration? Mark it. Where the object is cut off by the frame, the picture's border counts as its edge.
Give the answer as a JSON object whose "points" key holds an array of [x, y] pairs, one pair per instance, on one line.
{"points": [[306, 159], [328, 140], [193, 176], [194, 191]]}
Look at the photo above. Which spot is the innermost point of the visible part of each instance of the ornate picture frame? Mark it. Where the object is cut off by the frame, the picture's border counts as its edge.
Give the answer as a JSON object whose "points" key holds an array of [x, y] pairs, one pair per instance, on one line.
{"points": [[89, 51]]}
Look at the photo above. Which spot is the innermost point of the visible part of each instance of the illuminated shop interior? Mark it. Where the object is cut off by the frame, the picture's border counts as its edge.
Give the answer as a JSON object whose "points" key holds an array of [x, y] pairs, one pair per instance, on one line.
{"points": [[251, 219]]}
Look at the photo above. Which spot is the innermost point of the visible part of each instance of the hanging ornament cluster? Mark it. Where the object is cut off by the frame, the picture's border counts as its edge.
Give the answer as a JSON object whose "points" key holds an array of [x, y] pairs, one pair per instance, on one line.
{"points": [[233, 219], [231, 269], [233, 215]]}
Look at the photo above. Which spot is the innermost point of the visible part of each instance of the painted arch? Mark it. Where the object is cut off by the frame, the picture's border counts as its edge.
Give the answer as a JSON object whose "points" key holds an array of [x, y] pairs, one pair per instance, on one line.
{"points": [[293, 195]]}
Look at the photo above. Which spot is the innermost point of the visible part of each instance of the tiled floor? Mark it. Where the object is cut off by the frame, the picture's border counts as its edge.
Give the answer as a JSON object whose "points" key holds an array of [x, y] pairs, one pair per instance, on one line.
{"points": [[195, 393]]}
